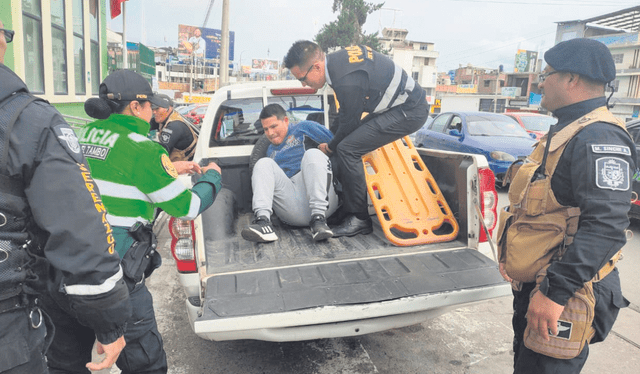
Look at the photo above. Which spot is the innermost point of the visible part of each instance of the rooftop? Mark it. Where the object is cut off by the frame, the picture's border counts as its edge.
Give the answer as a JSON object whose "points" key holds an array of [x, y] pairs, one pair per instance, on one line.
{"points": [[625, 20]]}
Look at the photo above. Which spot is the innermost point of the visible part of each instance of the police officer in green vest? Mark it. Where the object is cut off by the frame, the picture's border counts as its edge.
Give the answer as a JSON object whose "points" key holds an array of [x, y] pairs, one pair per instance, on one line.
{"points": [[565, 225], [135, 177]]}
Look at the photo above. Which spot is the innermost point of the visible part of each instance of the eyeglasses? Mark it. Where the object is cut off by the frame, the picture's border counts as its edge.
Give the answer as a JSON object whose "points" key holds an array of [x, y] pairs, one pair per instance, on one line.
{"points": [[542, 77], [8, 35], [305, 76]]}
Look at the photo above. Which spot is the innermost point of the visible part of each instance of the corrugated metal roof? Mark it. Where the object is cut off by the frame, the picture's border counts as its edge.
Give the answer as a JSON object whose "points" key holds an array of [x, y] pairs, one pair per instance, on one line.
{"points": [[626, 19]]}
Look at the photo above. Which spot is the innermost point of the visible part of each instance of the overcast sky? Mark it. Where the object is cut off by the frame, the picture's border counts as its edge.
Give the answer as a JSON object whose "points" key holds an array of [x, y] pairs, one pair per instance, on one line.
{"points": [[483, 33]]}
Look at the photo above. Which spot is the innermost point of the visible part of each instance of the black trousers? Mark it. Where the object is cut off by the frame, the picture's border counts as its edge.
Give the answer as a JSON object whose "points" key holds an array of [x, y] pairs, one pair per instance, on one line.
{"points": [[373, 133], [609, 300], [22, 344], [72, 344]]}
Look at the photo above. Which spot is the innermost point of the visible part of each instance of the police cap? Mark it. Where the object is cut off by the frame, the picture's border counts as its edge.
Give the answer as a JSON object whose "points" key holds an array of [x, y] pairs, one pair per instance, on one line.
{"points": [[586, 57], [166, 98], [127, 85]]}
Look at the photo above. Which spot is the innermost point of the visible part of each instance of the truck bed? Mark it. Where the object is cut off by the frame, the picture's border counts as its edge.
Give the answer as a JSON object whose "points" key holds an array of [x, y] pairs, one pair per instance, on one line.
{"points": [[295, 247]]}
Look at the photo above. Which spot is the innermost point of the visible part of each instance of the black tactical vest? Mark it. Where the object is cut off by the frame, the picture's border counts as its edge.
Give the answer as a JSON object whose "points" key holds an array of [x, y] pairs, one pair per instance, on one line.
{"points": [[14, 208], [389, 84]]}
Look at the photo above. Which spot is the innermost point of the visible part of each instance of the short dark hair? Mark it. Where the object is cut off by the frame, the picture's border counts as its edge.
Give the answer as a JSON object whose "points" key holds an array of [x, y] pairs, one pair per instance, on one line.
{"points": [[273, 110], [301, 53]]}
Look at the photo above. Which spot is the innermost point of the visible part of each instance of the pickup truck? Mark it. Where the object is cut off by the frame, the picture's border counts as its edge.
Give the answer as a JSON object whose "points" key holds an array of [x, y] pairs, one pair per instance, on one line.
{"points": [[297, 289]]}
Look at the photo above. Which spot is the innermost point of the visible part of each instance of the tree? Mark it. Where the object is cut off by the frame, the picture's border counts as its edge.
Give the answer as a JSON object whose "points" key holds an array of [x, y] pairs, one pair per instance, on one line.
{"points": [[347, 29]]}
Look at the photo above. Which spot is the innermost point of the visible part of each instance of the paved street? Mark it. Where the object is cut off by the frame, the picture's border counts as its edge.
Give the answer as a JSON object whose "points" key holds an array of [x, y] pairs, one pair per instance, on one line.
{"points": [[475, 339]]}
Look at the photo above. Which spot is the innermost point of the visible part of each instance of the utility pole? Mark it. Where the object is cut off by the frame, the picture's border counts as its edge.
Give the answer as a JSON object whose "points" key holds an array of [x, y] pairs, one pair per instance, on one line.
{"points": [[495, 109], [224, 45]]}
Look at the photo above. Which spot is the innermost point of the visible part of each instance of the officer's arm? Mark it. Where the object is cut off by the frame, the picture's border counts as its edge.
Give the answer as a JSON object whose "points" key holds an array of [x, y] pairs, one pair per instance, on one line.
{"points": [[65, 204], [601, 185], [172, 134]]}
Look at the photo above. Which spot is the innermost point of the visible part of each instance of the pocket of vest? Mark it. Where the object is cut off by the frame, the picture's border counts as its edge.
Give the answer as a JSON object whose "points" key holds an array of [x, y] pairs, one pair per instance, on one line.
{"points": [[575, 327], [504, 221], [531, 242], [536, 198]]}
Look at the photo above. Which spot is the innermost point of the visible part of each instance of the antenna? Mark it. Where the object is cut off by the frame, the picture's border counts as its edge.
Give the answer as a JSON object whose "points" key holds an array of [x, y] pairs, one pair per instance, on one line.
{"points": [[206, 18]]}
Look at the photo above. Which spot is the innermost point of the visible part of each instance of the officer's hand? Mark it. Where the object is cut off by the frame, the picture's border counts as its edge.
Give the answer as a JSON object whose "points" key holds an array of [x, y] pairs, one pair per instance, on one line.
{"points": [[111, 351], [503, 272], [212, 165], [543, 315], [187, 167], [324, 147]]}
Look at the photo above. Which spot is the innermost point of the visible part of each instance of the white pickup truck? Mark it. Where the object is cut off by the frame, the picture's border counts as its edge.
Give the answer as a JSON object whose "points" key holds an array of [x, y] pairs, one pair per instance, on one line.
{"points": [[297, 289]]}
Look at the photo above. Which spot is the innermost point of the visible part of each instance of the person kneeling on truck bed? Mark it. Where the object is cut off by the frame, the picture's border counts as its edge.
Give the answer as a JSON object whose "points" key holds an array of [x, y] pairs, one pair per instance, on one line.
{"points": [[295, 180], [363, 81], [135, 177]]}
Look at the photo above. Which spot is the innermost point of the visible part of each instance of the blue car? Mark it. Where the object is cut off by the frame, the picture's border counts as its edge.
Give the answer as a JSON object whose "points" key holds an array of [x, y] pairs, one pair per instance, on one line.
{"points": [[499, 138]]}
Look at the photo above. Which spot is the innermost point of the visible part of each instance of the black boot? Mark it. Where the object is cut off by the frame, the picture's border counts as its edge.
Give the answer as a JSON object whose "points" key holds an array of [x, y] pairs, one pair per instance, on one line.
{"points": [[351, 226]]}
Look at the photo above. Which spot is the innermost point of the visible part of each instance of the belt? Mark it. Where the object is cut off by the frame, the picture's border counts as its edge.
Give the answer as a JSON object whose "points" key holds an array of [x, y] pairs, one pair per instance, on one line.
{"points": [[608, 267], [14, 302]]}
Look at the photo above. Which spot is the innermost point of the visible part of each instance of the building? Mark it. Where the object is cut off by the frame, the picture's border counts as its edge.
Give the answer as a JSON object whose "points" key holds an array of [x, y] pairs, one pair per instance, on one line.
{"points": [[59, 50], [619, 31], [417, 58]]}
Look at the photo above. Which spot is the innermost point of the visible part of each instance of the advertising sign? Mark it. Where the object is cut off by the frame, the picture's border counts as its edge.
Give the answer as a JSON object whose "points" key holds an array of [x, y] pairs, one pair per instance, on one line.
{"points": [[467, 88], [525, 61], [534, 98], [264, 66], [201, 43], [510, 92]]}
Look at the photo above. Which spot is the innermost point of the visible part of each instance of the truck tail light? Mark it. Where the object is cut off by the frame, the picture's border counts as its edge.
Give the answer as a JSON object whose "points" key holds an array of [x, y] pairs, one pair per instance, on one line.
{"points": [[183, 244], [488, 201]]}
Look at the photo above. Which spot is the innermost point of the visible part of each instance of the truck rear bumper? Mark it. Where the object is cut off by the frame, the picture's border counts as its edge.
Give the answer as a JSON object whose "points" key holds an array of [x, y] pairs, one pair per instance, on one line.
{"points": [[336, 299]]}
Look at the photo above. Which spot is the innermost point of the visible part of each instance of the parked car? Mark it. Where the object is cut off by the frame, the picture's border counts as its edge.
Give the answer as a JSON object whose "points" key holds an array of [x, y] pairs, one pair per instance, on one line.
{"points": [[196, 114], [493, 135], [184, 109], [634, 129], [534, 123]]}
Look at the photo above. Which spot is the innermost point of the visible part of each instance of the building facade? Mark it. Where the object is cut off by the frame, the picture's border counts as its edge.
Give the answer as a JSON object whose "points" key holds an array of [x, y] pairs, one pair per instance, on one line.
{"points": [[59, 49], [417, 58], [619, 31]]}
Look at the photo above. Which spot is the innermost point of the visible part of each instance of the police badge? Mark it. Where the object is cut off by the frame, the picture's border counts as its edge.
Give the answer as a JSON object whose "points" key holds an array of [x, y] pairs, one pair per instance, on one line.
{"points": [[612, 173], [69, 141]]}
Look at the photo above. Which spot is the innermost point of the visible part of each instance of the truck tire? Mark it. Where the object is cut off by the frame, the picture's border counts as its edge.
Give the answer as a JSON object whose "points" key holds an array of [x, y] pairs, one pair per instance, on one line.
{"points": [[259, 151]]}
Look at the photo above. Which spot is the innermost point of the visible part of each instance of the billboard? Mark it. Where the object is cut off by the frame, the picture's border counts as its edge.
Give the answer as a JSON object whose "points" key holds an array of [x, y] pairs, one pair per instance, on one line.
{"points": [[467, 88], [201, 43], [525, 61], [259, 65]]}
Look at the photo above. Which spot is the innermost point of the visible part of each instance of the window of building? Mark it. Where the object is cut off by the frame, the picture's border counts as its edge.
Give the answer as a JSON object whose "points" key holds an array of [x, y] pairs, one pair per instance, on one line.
{"points": [[414, 75], [32, 31], [59, 47], [615, 84], [618, 57], [487, 83], [424, 47], [95, 47], [78, 47]]}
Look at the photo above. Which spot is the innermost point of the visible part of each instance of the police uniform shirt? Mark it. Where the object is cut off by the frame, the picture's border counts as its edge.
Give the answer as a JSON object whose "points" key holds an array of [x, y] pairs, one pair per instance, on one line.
{"points": [[594, 173], [175, 135]]}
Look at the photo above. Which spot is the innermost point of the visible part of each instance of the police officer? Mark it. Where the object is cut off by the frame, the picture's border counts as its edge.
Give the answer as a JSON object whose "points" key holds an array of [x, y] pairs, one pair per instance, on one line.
{"points": [[55, 242], [175, 133], [135, 177], [363, 81], [588, 160]]}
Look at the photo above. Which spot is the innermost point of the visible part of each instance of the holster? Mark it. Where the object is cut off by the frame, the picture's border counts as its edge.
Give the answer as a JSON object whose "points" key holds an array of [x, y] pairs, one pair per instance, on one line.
{"points": [[575, 324], [142, 258]]}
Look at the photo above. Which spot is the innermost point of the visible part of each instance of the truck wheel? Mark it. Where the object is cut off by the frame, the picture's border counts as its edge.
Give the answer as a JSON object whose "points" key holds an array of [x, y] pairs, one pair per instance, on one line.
{"points": [[259, 151]]}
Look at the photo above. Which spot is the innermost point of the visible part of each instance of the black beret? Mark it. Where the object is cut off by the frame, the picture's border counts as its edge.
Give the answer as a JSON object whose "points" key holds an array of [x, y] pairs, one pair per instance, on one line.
{"points": [[586, 57]]}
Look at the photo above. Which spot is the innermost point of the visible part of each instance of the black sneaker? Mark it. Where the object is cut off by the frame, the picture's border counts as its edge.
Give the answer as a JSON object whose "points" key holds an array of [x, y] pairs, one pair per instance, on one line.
{"points": [[319, 228], [260, 231]]}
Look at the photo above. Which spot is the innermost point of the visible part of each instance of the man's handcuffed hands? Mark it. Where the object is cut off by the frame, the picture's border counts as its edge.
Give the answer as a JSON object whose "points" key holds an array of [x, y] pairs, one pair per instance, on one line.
{"points": [[190, 167]]}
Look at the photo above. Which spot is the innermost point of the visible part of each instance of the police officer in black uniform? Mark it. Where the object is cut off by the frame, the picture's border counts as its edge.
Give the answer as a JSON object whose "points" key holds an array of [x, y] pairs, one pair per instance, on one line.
{"points": [[594, 174], [363, 81], [175, 133], [55, 241]]}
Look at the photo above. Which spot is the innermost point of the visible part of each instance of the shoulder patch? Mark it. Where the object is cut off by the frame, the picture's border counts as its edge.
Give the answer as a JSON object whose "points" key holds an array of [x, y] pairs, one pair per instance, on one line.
{"points": [[69, 141], [612, 173], [165, 136], [168, 166], [611, 148]]}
